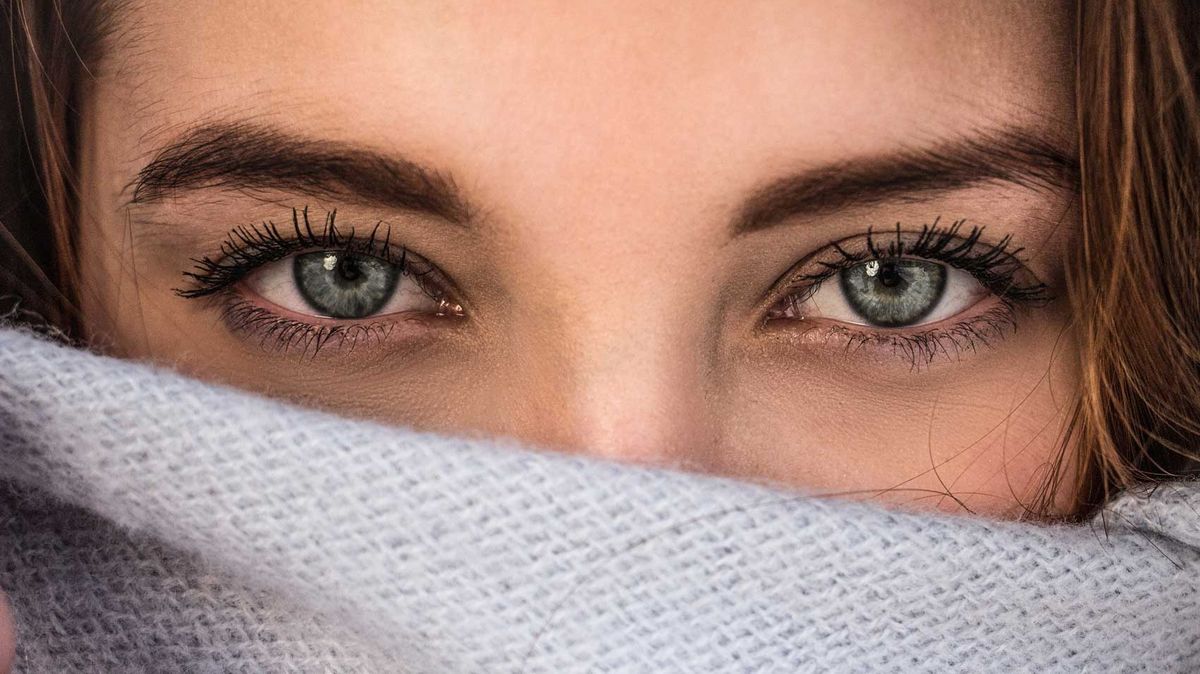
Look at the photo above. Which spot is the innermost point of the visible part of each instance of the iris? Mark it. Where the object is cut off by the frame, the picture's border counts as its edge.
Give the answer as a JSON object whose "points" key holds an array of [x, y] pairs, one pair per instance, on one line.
{"points": [[893, 293], [345, 285]]}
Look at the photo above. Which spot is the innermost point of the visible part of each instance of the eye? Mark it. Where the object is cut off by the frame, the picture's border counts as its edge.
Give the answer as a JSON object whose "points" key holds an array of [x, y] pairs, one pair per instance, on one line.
{"points": [[907, 278], [892, 293], [342, 285], [921, 294]]}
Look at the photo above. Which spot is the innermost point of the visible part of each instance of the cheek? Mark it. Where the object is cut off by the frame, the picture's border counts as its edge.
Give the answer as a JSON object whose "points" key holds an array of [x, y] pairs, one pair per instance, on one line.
{"points": [[129, 309], [983, 433], [126, 301], [110, 293]]}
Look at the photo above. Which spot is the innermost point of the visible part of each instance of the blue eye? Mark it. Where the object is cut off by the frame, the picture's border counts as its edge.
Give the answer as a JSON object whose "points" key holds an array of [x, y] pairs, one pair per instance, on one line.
{"points": [[893, 293], [342, 285], [889, 293]]}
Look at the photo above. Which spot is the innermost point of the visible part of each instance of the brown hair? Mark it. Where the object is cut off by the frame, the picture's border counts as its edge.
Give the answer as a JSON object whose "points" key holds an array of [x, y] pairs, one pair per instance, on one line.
{"points": [[45, 55], [1133, 284]]}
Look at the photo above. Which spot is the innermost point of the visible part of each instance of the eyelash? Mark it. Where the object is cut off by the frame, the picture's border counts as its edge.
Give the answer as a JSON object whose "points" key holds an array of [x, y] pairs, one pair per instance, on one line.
{"points": [[995, 266], [247, 248]]}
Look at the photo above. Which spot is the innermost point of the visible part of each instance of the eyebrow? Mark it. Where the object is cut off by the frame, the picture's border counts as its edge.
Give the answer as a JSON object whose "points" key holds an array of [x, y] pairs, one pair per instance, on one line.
{"points": [[246, 156], [1016, 156]]}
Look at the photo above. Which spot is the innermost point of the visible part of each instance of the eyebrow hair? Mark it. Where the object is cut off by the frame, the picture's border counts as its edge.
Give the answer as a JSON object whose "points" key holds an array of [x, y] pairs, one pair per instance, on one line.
{"points": [[245, 156], [1014, 156], [242, 155]]}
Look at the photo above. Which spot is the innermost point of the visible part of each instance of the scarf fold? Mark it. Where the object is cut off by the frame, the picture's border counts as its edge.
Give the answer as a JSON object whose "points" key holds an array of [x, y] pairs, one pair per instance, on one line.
{"points": [[153, 523]]}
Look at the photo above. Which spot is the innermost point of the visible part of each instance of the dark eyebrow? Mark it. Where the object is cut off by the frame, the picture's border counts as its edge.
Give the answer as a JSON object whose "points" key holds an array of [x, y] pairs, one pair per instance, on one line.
{"points": [[246, 156], [1013, 156]]}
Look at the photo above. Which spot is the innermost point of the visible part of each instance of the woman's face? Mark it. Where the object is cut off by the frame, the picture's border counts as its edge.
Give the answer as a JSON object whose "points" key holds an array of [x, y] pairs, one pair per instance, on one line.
{"points": [[805, 242]]}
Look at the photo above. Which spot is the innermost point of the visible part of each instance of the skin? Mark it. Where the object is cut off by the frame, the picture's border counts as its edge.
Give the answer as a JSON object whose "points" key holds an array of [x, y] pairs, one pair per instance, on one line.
{"points": [[7, 636], [607, 148]]}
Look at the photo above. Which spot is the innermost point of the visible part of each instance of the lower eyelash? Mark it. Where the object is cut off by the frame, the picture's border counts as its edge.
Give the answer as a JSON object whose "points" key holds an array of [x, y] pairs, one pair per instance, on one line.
{"points": [[282, 334], [922, 348]]}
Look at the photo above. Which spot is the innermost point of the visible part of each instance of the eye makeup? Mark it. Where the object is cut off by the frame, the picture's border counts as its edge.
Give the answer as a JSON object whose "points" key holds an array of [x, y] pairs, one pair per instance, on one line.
{"points": [[300, 288], [898, 292], [940, 291]]}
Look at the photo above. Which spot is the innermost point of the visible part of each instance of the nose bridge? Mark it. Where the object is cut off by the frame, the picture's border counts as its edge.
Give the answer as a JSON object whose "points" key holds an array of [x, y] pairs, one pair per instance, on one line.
{"points": [[620, 311], [631, 360], [640, 393]]}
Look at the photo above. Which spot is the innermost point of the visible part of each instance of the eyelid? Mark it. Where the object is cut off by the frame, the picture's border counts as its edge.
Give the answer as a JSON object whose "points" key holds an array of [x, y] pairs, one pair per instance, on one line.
{"points": [[997, 266], [1008, 284], [221, 279], [248, 248], [277, 285], [961, 292]]}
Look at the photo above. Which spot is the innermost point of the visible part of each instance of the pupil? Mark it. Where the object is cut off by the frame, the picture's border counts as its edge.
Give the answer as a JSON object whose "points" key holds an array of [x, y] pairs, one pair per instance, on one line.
{"points": [[889, 276], [348, 269]]}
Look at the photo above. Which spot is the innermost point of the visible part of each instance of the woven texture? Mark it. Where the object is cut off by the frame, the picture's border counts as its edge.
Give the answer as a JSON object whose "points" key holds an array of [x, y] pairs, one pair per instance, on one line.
{"points": [[154, 523]]}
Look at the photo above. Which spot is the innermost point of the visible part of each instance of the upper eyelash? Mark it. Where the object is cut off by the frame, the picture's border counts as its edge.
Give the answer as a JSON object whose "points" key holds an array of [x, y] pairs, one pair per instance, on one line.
{"points": [[248, 247], [995, 266]]}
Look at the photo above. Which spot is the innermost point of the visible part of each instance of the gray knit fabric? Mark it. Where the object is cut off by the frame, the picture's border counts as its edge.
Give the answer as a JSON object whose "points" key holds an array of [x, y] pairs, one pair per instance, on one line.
{"points": [[151, 523]]}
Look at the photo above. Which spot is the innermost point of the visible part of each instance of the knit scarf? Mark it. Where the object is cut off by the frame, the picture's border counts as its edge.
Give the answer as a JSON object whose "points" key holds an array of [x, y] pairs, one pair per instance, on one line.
{"points": [[153, 523]]}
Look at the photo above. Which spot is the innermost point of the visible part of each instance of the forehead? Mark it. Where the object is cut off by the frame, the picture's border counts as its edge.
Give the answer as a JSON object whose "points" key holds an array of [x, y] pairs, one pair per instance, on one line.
{"points": [[565, 89]]}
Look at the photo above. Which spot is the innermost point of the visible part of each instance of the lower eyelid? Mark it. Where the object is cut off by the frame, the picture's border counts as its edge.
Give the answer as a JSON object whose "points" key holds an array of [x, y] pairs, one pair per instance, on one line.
{"points": [[276, 331], [951, 340], [988, 323], [281, 334]]}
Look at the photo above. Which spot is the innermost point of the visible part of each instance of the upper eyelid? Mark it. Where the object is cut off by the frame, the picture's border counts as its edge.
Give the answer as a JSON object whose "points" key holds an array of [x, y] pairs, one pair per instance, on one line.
{"points": [[248, 247], [931, 241], [793, 280]]}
